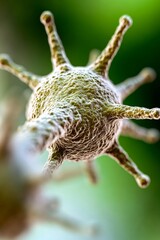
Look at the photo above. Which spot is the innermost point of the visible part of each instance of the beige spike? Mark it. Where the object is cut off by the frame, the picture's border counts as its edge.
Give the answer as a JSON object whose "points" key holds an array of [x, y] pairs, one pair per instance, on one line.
{"points": [[6, 63], [102, 63], [127, 87], [125, 162], [119, 111], [58, 55]]}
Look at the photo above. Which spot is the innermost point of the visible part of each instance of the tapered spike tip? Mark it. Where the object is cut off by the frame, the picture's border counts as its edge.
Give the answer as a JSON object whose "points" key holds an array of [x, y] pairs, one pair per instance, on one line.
{"points": [[153, 135], [149, 74], [143, 181], [127, 20], [46, 17], [4, 60]]}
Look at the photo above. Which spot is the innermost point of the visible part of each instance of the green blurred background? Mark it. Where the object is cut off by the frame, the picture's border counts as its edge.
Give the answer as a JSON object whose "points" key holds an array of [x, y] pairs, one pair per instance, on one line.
{"points": [[123, 211]]}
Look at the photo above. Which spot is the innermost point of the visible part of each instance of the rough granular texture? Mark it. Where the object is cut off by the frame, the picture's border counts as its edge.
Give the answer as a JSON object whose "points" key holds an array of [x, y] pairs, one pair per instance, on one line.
{"points": [[77, 113]]}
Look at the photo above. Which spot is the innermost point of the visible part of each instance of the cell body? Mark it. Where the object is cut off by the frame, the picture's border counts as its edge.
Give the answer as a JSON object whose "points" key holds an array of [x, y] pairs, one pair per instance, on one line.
{"points": [[87, 95], [77, 113]]}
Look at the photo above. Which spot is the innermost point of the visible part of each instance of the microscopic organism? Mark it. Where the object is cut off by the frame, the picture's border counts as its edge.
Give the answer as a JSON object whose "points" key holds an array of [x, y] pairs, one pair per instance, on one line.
{"points": [[77, 113]]}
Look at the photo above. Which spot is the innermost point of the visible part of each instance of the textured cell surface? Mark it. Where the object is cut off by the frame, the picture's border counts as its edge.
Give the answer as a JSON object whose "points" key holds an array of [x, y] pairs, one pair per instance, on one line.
{"points": [[77, 113]]}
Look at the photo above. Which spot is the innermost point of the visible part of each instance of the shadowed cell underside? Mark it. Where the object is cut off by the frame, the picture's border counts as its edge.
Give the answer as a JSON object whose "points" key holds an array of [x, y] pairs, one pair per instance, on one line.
{"points": [[77, 113]]}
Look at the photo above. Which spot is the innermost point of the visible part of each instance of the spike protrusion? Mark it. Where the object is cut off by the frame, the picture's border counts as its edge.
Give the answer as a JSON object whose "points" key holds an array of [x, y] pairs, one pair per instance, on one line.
{"points": [[6, 63], [131, 129], [58, 56], [119, 111], [102, 64], [125, 88], [125, 162]]}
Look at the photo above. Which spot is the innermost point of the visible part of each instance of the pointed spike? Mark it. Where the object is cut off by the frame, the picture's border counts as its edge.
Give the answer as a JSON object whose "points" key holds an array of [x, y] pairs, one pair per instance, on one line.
{"points": [[127, 87], [102, 64], [131, 129], [125, 162], [119, 111], [6, 63], [148, 74], [64, 221], [58, 55]]}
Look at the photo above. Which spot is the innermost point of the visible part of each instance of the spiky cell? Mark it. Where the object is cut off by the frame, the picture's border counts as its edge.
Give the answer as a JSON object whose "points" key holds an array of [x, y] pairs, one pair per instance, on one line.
{"points": [[77, 112]]}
